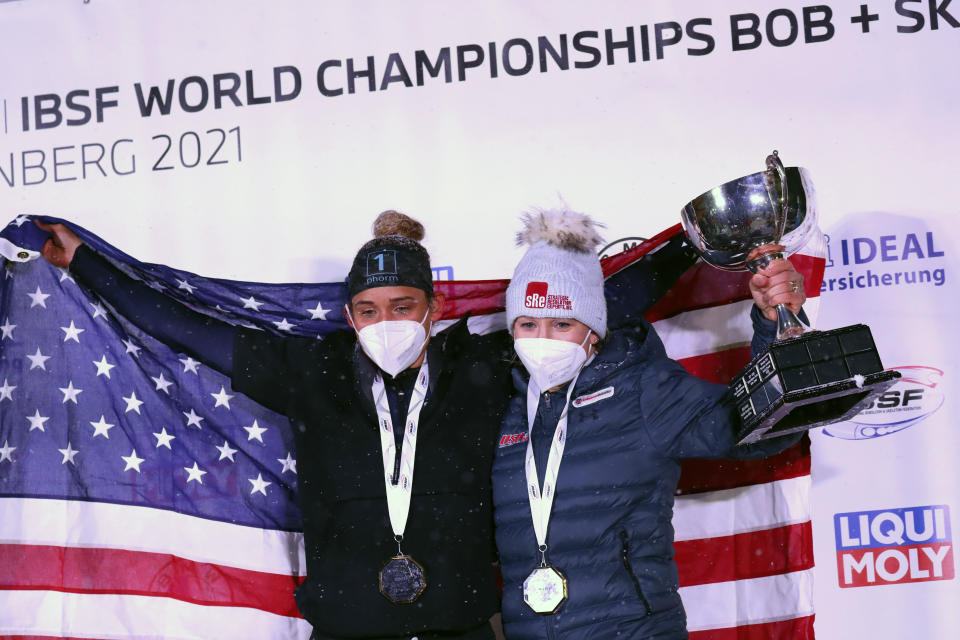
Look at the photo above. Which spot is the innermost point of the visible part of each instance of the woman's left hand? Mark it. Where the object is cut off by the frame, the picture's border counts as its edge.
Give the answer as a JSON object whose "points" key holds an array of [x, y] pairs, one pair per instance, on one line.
{"points": [[779, 283]]}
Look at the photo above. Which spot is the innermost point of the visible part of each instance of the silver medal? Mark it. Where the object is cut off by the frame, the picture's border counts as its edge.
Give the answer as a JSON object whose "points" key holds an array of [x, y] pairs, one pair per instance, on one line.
{"points": [[402, 580]]}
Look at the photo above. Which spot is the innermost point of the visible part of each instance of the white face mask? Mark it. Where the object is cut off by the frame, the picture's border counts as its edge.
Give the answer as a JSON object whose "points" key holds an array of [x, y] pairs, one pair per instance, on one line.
{"points": [[393, 345], [551, 362]]}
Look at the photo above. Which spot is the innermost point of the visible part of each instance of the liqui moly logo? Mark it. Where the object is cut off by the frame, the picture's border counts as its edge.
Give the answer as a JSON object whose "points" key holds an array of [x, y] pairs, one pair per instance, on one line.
{"points": [[536, 297], [910, 544]]}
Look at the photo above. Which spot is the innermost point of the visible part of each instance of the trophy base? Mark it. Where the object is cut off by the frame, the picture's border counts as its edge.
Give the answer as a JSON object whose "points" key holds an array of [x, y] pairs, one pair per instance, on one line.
{"points": [[812, 380]]}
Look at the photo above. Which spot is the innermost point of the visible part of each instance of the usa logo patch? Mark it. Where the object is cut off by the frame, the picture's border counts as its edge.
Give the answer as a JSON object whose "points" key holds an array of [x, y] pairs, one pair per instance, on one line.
{"points": [[513, 438]]}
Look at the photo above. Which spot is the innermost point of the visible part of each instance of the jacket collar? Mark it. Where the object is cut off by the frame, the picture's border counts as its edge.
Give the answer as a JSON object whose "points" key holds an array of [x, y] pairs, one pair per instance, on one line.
{"points": [[623, 345], [443, 352]]}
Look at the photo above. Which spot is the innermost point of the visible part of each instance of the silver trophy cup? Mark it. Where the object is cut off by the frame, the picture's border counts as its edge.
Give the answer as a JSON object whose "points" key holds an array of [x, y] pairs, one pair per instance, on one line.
{"points": [[807, 378], [733, 226]]}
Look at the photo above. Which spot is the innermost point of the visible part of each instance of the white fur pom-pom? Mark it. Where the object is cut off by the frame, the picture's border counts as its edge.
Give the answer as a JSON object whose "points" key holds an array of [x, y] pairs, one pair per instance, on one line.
{"points": [[562, 228]]}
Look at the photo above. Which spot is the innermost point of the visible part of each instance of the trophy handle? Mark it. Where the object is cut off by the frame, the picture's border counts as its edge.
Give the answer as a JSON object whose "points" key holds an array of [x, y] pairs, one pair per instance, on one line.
{"points": [[776, 166]]}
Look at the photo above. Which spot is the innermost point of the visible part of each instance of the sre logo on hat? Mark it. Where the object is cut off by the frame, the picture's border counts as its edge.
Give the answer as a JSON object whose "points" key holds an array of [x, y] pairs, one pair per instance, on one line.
{"points": [[536, 297]]}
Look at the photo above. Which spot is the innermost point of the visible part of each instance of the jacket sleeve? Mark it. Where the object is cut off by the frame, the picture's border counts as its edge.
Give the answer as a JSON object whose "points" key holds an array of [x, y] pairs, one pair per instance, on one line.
{"points": [[205, 338], [262, 368], [690, 418], [765, 331]]}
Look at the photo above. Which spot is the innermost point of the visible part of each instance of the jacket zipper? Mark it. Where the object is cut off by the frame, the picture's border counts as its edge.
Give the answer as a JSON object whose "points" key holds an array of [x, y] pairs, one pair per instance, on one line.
{"points": [[625, 556]]}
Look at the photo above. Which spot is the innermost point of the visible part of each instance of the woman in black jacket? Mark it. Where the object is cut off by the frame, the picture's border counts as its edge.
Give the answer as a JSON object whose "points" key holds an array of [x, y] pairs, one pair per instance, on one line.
{"points": [[421, 562]]}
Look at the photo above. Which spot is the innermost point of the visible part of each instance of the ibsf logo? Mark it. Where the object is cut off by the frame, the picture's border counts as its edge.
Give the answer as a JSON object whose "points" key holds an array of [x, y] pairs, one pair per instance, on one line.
{"points": [[536, 295], [910, 544], [913, 399]]}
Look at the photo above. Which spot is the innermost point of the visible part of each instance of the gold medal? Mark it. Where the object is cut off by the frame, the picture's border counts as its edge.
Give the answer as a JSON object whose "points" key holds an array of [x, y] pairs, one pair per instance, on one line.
{"points": [[545, 589]]}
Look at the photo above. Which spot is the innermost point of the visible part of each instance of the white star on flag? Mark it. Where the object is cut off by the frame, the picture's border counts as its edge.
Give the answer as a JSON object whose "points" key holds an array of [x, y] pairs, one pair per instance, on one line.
{"points": [[183, 284], [19, 220], [6, 450], [72, 333], [6, 391], [289, 464], [70, 393], [38, 360], [131, 347], [98, 310], [222, 398], [163, 438], [133, 462], [251, 303], [132, 403], [255, 432], [36, 421], [195, 473], [226, 451], [283, 325], [68, 455], [318, 313], [193, 419], [189, 364], [103, 367], [102, 428], [38, 298], [65, 275], [7, 329], [259, 485], [162, 383]]}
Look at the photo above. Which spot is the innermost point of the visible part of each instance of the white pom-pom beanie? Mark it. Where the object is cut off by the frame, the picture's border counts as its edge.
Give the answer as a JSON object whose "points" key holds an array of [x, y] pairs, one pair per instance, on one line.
{"points": [[560, 274]]}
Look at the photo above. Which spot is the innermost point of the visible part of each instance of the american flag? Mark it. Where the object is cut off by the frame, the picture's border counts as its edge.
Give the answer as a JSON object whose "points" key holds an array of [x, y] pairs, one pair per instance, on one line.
{"points": [[141, 497]]}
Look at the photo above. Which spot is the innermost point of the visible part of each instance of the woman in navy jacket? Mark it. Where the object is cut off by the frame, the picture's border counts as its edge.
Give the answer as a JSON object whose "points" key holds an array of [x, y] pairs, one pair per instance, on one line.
{"points": [[586, 548]]}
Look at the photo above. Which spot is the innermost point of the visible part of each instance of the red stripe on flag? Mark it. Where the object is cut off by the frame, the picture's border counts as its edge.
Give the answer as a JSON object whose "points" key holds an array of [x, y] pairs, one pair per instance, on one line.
{"points": [[755, 554], [701, 475], [84, 570], [478, 297], [795, 629], [703, 286]]}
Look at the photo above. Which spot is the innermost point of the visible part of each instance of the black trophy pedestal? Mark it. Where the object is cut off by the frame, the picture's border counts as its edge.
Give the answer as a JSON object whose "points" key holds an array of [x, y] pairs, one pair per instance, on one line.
{"points": [[815, 379]]}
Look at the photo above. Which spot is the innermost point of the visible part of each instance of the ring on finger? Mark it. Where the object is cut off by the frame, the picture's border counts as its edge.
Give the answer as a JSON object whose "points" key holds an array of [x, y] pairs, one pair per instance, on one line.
{"points": [[796, 287]]}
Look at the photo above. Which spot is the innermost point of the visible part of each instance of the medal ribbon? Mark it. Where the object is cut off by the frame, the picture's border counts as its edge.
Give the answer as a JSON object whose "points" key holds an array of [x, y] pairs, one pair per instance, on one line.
{"points": [[398, 495], [541, 501]]}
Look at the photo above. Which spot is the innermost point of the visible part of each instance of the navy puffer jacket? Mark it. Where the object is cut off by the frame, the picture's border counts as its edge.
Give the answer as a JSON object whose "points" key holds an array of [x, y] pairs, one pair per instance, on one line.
{"points": [[610, 531]]}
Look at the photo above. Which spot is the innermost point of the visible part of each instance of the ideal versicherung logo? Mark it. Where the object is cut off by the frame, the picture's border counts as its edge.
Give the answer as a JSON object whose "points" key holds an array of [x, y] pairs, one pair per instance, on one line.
{"points": [[873, 262]]}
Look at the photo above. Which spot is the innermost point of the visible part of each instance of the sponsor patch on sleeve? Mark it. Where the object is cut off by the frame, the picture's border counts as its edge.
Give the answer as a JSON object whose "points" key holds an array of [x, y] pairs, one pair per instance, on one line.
{"points": [[590, 398]]}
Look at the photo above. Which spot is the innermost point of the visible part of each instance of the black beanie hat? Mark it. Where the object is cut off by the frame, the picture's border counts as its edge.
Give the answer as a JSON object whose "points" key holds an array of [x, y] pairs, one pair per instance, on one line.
{"points": [[394, 258]]}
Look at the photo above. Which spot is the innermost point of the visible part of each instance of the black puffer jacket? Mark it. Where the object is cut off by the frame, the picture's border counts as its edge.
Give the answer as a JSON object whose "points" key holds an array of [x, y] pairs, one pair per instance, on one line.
{"points": [[324, 388], [610, 531]]}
